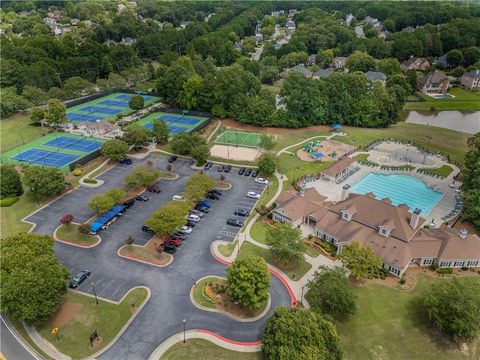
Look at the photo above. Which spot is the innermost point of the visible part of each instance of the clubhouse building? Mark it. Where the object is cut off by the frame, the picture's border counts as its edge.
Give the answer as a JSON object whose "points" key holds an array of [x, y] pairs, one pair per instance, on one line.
{"points": [[397, 236]]}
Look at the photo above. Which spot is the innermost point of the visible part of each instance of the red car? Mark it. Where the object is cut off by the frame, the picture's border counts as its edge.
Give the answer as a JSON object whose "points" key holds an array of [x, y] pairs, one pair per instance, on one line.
{"points": [[176, 242], [154, 189]]}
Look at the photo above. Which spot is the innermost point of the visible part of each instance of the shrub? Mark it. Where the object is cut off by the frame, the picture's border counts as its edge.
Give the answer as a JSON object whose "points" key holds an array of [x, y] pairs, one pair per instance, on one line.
{"points": [[89, 181], [402, 280], [445, 271], [434, 266], [77, 172], [84, 229], [130, 240], [66, 219], [8, 201], [464, 268]]}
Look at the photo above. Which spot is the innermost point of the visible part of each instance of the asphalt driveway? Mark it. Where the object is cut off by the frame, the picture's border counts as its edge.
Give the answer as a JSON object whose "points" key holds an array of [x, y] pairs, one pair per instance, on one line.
{"points": [[170, 286]]}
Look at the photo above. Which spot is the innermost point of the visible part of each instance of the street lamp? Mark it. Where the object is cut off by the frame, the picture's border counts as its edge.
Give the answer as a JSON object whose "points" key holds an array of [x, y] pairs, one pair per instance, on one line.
{"points": [[94, 293], [184, 321], [35, 195], [301, 297]]}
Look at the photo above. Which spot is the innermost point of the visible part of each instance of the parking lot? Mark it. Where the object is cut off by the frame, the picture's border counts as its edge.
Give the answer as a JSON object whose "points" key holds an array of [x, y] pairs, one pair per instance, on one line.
{"points": [[113, 276]]}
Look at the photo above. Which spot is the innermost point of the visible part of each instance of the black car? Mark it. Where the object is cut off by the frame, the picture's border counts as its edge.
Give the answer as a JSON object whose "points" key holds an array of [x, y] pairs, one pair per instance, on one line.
{"points": [[202, 208], [254, 173], [216, 191], [141, 198], [241, 212], [235, 222], [208, 165], [177, 235], [190, 223], [227, 168], [172, 158], [248, 172], [147, 229], [241, 171], [79, 278], [213, 196], [169, 248], [220, 168], [129, 203], [126, 161]]}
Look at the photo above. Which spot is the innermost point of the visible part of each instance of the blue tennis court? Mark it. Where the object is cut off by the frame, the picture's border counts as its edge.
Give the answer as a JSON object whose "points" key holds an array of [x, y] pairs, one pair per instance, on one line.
{"points": [[101, 110], [44, 157], [180, 119], [173, 129], [122, 104], [81, 117], [127, 97], [67, 142]]}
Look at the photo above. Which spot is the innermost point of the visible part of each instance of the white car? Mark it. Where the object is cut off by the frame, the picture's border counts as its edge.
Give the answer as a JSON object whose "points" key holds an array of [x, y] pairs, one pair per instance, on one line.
{"points": [[261, 181], [186, 228], [177, 197], [253, 195], [193, 217]]}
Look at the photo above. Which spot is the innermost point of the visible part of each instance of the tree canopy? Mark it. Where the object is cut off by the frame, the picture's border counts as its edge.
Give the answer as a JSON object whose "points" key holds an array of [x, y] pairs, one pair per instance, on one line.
{"points": [[11, 184], [136, 135], [286, 243], [361, 261], [43, 181], [198, 185], [471, 181], [114, 149], [168, 217]]}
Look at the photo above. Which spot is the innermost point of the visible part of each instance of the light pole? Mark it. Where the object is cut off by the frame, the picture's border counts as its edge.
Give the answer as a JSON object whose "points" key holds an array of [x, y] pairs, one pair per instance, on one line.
{"points": [[184, 329], [301, 297], [35, 196], [94, 293]]}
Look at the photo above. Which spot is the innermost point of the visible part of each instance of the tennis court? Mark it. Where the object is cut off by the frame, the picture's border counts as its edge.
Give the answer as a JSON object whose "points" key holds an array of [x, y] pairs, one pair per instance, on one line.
{"points": [[239, 138], [105, 108], [43, 157], [175, 122], [66, 142]]}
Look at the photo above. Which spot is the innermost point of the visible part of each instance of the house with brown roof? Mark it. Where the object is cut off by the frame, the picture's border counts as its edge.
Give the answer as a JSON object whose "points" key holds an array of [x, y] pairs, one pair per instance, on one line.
{"points": [[471, 80], [415, 63], [435, 83], [395, 234], [337, 169]]}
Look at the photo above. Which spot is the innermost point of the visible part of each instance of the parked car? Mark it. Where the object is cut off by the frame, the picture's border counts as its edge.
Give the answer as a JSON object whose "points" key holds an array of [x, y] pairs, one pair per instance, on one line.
{"points": [[176, 242], [79, 278], [253, 195], [208, 165], [248, 172], [193, 217], [261, 181], [197, 212], [126, 161], [235, 222], [187, 229], [213, 196], [241, 171], [181, 232], [205, 203], [216, 191], [169, 248], [177, 197], [220, 168], [142, 198], [202, 209], [227, 168], [254, 173], [190, 223], [172, 158], [147, 229], [129, 203], [177, 235], [242, 212], [154, 189]]}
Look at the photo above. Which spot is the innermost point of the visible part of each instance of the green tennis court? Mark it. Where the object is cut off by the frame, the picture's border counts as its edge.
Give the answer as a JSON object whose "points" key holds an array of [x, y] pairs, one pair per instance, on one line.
{"points": [[239, 138]]}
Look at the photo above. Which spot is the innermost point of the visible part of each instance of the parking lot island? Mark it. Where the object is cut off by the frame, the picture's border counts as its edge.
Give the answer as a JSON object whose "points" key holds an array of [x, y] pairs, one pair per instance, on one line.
{"points": [[71, 234], [147, 253]]}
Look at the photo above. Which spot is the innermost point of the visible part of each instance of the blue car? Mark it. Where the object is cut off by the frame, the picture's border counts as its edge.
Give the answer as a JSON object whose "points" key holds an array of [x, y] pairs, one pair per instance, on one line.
{"points": [[205, 203]]}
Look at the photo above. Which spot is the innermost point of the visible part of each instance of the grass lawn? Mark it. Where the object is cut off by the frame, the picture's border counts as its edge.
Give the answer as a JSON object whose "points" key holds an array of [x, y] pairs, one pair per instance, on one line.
{"points": [[312, 251], [14, 127], [451, 142], [146, 253], [463, 100], [284, 141], [293, 167], [443, 171], [78, 317], [259, 231], [18, 325], [71, 234], [266, 196], [196, 349], [275, 87], [198, 295], [389, 325], [293, 270], [227, 250]]}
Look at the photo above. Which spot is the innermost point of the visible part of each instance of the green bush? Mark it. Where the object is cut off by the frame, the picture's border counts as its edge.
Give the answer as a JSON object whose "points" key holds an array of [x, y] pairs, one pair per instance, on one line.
{"points": [[445, 271], [90, 181], [8, 201], [434, 266], [84, 229]]}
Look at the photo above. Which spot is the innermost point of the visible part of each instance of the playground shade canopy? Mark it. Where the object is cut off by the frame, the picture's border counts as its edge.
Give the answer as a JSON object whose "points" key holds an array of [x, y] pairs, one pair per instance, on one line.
{"points": [[102, 220], [336, 126]]}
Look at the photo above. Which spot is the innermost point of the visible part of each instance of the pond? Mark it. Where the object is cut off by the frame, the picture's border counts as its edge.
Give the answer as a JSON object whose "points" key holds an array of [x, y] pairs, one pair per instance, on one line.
{"points": [[464, 121]]}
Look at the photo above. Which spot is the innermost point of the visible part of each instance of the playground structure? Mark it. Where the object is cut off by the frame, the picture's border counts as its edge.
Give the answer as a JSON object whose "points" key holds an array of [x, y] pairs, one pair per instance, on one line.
{"points": [[325, 150]]}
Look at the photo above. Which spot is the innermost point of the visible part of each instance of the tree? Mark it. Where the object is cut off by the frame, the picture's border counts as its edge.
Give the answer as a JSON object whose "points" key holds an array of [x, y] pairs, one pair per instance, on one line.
{"points": [[471, 55], [136, 102], [136, 135], [168, 217], [160, 131], [37, 116], [249, 281], [67, 219], [191, 90], [360, 61], [56, 112], [267, 164], [169, 168], [361, 261], [198, 185], [33, 280], [200, 154], [145, 175], [300, 334], [454, 307], [114, 149], [76, 86], [11, 184], [268, 74], [35, 95], [267, 142], [389, 66], [130, 240], [115, 194], [43, 181], [101, 204], [286, 243], [471, 180], [12, 102], [454, 58], [329, 292], [184, 142]]}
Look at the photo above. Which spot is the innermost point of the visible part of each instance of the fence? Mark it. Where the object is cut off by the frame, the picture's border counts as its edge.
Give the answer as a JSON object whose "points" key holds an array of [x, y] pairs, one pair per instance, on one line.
{"points": [[87, 158]]}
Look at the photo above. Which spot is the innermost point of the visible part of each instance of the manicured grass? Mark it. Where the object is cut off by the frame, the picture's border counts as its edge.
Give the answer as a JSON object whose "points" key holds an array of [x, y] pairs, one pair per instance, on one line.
{"points": [[389, 324], [201, 298], [312, 251], [364, 158], [284, 141], [463, 100], [259, 231], [145, 253], [274, 88], [8, 201], [196, 349], [293, 167], [294, 270], [447, 141], [18, 325], [106, 318], [227, 250], [443, 171], [16, 127], [71, 234]]}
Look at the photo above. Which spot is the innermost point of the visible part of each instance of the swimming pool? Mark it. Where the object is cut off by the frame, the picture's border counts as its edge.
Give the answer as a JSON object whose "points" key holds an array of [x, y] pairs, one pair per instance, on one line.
{"points": [[400, 189]]}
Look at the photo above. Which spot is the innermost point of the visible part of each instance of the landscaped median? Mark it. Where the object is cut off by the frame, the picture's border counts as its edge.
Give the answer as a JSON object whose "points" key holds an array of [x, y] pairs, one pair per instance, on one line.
{"points": [[210, 294], [147, 253], [79, 317], [71, 234]]}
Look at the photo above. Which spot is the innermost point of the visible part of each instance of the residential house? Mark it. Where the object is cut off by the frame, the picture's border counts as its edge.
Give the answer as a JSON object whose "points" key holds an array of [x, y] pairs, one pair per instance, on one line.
{"points": [[435, 83], [415, 63], [441, 61], [209, 16], [311, 60], [471, 80], [302, 70], [258, 38], [339, 62], [277, 13], [376, 24], [292, 12], [128, 41], [74, 22], [184, 24], [408, 29], [102, 129], [376, 76], [395, 234], [322, 74], [359, 31], [280, 102], [89, 24], [337, 169], [51, 22], [290, 26], [349, 18]]}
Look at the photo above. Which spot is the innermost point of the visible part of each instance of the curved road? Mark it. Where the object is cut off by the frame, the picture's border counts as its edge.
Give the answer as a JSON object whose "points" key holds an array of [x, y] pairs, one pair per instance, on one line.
{"points": [[11, 347]]}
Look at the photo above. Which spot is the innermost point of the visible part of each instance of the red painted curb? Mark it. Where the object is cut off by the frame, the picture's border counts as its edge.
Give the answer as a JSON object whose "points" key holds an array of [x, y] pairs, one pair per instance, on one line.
{"points": [[242, 343]]}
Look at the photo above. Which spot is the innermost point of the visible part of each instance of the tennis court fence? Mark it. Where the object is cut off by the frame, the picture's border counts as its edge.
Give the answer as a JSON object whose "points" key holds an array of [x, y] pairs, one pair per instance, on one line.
{"points": [[82, 100], [200, 126], [83, 160]]}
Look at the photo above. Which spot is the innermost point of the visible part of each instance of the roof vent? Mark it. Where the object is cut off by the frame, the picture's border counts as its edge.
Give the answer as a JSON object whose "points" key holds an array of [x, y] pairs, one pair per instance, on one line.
{"points": [[463, 233]]}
